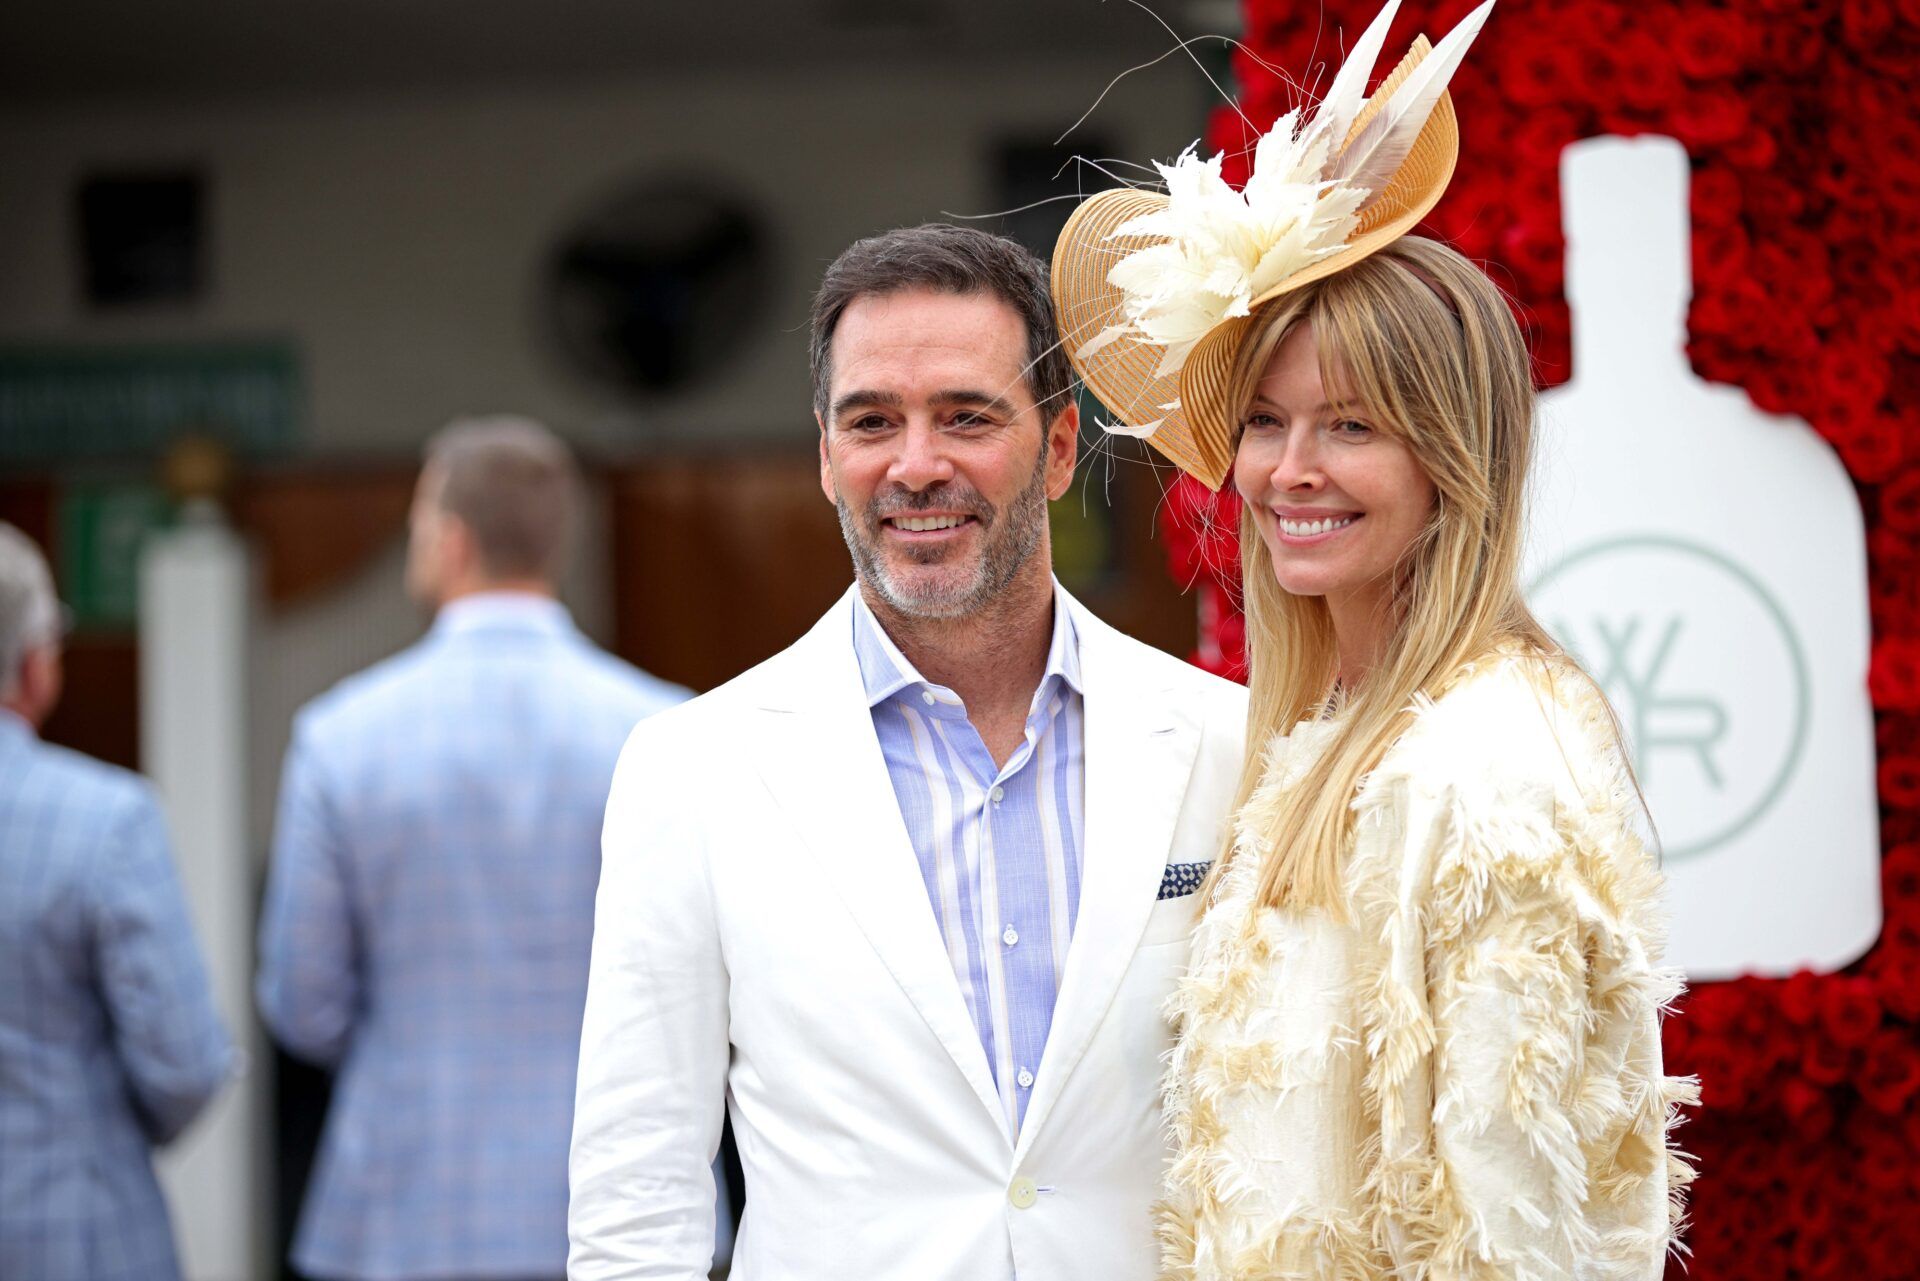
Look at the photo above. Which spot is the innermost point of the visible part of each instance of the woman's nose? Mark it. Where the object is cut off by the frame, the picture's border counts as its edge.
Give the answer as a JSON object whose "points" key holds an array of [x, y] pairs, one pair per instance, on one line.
{"points": [[1299, 465]]}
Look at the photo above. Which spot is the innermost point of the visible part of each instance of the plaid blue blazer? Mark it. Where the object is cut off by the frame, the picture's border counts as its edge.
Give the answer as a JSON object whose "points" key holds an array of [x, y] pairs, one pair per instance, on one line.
{"points": [[428, 920], [109, 1041]]}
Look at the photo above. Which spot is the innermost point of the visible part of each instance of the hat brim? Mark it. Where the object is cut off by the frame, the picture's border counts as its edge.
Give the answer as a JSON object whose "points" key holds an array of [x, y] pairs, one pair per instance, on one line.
{"points": [[1198, 431]]}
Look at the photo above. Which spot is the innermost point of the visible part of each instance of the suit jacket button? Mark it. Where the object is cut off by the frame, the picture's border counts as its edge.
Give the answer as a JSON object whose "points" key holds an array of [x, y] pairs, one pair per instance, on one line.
{"points": [[1022, 1193]]}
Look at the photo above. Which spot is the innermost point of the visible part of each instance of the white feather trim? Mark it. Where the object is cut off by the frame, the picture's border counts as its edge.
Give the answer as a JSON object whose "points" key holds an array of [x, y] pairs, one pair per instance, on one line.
{"points": [[1219, 249]]}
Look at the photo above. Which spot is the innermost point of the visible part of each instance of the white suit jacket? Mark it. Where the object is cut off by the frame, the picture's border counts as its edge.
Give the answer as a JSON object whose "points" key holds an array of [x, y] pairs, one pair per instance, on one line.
{"points": [[763, 938]]}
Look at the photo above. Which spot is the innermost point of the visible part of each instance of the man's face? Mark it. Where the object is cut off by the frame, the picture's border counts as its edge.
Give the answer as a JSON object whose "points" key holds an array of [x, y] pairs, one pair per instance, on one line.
{"points": [[933, 450]]}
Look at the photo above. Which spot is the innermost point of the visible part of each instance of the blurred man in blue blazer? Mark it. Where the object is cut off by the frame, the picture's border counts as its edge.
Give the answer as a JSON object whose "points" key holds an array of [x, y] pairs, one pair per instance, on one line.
{"points": [[109, 1043], [430, 908]]}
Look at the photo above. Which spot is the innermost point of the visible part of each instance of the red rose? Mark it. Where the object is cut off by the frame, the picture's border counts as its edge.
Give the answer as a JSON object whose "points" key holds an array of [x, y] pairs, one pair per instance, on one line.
{"points": [[1709, 117], [1824, 1061], [1893, 677], [1541, 135], [1723, 312], [1891, 1075], [1886, 1253], [1817, 1256], [1853, 374], [1899, 509], [1876, 1157], [1715, 198], [1866, 22], [1900, 870], [1534, 76], [1788, 49], [1849, 1010], [1534, 250], [1775, 388], [1799, 997], [1755, 149], [1871, 445], [1808, 1109], [1645, 77], [1810, 1208], [1710, 44], [1898, 984], [1900, 781]]}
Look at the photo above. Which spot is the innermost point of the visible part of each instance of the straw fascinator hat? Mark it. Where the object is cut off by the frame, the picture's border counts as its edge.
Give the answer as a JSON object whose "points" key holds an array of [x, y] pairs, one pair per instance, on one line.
{"points": [[1155, 290]]}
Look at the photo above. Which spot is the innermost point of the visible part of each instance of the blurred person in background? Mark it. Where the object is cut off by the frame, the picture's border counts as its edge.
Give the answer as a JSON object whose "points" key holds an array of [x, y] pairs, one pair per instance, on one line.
{"points": [[429, 912], [109, 1041]]}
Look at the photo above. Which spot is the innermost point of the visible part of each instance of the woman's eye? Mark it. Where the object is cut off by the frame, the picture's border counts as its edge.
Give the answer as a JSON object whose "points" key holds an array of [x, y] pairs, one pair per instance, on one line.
{"points": [[1260, 422], [1350, 428]]}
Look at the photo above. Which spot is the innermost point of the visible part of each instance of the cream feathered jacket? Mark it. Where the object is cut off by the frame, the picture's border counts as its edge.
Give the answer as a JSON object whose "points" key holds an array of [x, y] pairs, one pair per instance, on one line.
{"points": [[1462, 1079]]}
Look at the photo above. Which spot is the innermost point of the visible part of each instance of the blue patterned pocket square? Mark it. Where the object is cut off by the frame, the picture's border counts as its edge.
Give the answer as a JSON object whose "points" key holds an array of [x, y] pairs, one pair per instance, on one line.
{"points": [[1182, 879]]}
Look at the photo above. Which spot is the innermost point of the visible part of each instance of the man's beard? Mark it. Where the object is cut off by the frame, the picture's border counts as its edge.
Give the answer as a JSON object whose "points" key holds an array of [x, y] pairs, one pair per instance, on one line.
{"points": [[1009, 539]]}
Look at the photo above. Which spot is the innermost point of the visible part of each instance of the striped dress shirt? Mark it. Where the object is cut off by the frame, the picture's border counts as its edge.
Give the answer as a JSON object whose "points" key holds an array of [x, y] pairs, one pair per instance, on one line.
{"points": [[998, 845]]}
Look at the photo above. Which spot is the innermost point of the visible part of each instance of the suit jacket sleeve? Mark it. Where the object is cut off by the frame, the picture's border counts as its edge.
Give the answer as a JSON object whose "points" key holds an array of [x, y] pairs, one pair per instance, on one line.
{"points": [[166, 1029], [654, 1046], [309, 982]]}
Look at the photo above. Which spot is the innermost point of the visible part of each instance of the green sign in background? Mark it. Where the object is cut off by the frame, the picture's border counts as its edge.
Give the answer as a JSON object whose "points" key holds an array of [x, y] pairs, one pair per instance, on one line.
{"points": [[101, 529], [73, 403]]}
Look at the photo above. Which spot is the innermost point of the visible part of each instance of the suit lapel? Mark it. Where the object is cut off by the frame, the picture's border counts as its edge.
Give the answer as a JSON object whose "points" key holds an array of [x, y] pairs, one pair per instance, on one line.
{"points": [[1140, 750], [819, 756]]}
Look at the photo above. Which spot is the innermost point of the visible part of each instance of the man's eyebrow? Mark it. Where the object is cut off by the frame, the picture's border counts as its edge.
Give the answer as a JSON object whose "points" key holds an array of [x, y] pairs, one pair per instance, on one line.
{"points": [[960, 396], [866, 400]]}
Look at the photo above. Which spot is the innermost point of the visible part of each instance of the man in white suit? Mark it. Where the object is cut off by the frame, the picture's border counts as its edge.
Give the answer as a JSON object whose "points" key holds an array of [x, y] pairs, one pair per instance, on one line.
{"points": [[908, 896]]}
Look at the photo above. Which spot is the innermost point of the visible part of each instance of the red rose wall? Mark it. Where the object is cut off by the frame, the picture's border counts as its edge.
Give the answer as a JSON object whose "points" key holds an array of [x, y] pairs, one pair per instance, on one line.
{"points": [[1804, 131]]}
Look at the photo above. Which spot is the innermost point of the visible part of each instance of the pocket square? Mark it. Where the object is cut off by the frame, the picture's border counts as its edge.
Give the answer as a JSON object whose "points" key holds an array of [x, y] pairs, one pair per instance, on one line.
{"points": [[1182, 879]]}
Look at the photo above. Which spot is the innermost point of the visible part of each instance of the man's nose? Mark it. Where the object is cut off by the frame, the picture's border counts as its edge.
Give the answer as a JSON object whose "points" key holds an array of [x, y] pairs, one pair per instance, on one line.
{"points": [[922, 460]]}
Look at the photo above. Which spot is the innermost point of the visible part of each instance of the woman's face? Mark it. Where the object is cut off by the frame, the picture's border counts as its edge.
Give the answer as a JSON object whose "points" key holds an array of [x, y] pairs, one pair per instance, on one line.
{"points": [[1336, 500]]}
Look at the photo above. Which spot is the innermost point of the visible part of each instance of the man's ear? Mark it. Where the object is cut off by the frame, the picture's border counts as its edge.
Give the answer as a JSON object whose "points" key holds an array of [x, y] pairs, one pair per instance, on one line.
{"points": [[38, 683], [459, 549], [826, 466], [1063, 449]]}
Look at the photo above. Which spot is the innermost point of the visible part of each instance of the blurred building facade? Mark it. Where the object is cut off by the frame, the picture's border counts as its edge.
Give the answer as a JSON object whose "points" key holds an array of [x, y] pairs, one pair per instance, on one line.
{"points": [[320, 231]]}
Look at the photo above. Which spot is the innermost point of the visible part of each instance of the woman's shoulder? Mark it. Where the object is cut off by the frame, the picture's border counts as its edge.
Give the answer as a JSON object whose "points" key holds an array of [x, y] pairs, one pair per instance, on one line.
{"points": [[1519, 727]]}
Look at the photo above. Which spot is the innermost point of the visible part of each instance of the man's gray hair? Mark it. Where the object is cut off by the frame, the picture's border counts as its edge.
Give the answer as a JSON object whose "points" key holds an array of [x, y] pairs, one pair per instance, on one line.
{"points": [[29, 610], [954, 260], [514, 485]]}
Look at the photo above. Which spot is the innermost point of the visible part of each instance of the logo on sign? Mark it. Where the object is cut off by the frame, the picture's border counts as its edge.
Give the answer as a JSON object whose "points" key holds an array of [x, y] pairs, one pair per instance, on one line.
{"points": [[1703, 667]]}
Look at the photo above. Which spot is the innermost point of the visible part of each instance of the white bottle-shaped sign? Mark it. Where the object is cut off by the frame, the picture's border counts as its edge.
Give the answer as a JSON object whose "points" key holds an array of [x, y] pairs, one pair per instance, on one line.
{"points": [[1707, 562]]}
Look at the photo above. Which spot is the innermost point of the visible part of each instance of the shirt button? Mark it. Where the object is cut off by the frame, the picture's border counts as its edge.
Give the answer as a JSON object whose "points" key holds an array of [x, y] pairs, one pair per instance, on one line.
{"points": [[1022, 1193], [997, 794], [1025, 1078], [926, 696], [1011, 936]]}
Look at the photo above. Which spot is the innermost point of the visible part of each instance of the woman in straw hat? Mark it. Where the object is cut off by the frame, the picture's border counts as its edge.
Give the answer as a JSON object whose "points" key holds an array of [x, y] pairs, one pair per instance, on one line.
{"points": [[1419, 1035]]}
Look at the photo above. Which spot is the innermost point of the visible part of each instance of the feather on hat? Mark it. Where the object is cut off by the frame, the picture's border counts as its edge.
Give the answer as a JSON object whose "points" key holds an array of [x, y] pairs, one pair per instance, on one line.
{"points": [[1154, 290]]}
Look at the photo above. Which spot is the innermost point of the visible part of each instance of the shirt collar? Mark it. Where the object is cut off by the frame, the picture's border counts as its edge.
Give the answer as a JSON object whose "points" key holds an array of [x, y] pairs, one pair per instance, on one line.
{"points": [[14, 728], [510, 611], [885, 671]]}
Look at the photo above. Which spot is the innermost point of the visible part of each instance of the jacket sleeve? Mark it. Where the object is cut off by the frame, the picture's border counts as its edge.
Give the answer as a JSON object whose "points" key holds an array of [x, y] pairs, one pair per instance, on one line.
{"points": [[308, 987], [166, 1030], [1550, 1109], [654, 1045]]}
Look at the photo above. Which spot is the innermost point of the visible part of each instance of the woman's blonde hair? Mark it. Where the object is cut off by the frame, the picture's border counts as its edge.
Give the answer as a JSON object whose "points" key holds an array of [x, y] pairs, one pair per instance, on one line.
{"points": [[1420, 339]]}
